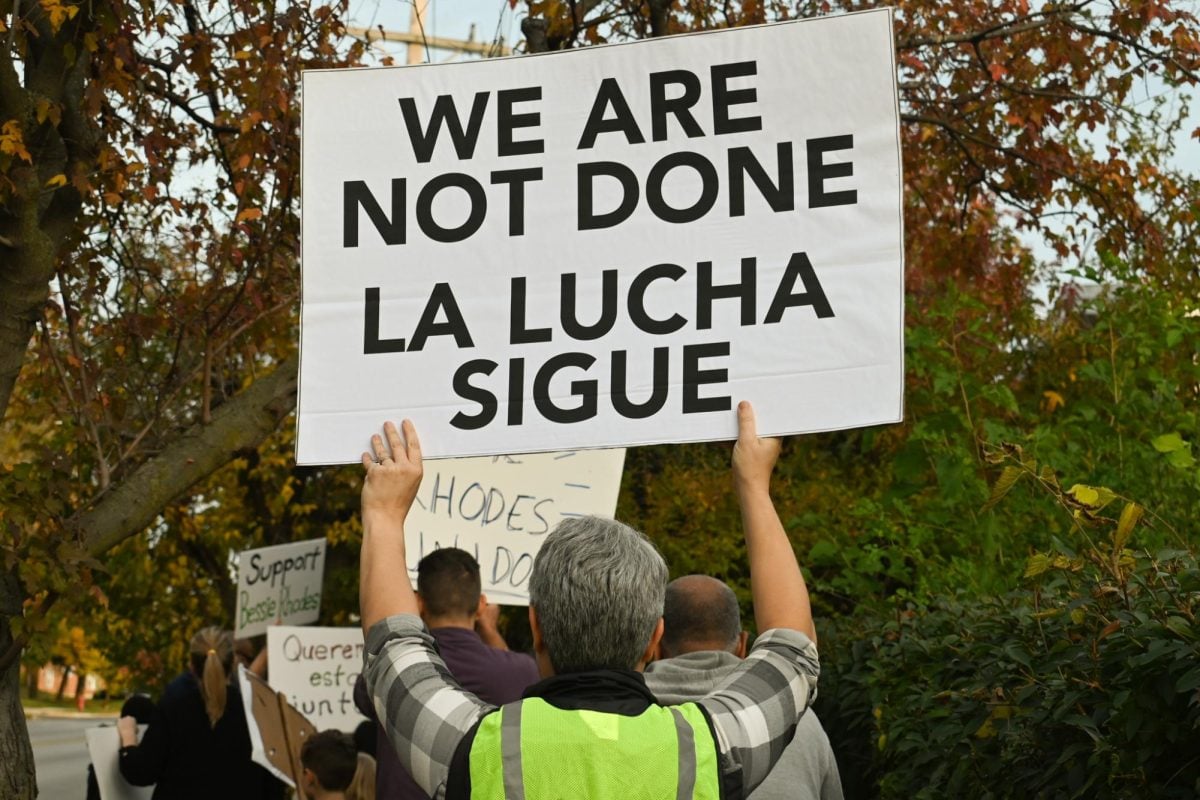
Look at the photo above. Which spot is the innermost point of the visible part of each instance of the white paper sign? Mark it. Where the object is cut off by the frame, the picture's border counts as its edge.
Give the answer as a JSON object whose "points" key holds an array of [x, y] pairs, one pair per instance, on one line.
{"points": [[279, 584], [605, 246], [500, 508], [104, 746], [316, 668]]}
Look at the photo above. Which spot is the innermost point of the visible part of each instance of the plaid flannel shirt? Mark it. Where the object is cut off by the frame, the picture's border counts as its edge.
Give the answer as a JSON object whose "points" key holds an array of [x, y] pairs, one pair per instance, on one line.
{"points": [[426, 714]]}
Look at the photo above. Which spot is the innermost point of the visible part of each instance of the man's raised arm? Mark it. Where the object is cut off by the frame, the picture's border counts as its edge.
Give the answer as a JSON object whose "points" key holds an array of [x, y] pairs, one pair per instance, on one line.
{"points": [[424, 712], [776, 583], [393, 477]]}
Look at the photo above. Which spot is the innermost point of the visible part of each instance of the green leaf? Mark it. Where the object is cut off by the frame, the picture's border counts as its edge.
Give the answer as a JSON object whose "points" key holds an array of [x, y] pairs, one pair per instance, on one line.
{"points": [[1182, 627], [1189, 682], [1181, 459], [823, 551], [1168, 443], [1013, 650]]}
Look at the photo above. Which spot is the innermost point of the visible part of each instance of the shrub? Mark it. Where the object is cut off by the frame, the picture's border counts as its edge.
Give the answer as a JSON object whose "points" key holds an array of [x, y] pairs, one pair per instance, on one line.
{"points": [[1084, 684]]}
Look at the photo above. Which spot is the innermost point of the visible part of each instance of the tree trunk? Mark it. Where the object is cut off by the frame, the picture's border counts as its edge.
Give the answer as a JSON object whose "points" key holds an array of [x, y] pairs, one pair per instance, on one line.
{"points": [[17, 781], [62, 685], [242, 422], [32, 674]]}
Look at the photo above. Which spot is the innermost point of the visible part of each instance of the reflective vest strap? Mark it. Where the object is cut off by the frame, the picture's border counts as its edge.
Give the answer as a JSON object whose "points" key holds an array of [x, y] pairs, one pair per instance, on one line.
{"points": [[510, 750], [687, 756]]}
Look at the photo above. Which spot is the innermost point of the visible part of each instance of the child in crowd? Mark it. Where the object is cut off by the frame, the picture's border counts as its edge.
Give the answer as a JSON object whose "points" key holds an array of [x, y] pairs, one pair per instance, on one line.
{"points": [[334, 770]]}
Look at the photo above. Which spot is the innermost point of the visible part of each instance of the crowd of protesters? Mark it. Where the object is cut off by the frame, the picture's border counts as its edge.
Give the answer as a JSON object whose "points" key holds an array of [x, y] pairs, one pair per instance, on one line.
{"points": [[635, 688]]}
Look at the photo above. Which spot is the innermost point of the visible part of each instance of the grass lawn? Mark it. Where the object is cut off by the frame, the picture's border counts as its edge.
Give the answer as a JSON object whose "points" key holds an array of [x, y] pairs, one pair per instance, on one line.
{"points": [[42, 700]]}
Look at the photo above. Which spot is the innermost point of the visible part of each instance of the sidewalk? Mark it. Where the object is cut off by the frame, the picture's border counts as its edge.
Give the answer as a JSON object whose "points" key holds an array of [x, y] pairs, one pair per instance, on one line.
{"points": [[66, 713]]}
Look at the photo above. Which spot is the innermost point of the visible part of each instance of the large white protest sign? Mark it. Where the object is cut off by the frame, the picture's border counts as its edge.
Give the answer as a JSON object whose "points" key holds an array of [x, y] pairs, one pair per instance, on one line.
{"points": [[104, 746], [279, 584], [316, 669], [605, 246], [500, 508]]}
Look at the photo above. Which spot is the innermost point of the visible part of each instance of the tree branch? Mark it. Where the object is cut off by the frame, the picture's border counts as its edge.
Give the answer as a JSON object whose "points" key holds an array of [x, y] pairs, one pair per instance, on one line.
{"points": [[180, 102], [243, 421], [1147, 54], [85, 385], [1031, 23], [1014, 153]]}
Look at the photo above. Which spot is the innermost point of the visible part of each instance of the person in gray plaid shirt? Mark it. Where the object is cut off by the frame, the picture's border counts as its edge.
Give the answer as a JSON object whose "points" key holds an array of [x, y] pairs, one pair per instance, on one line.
{"points": [[596, 603]]}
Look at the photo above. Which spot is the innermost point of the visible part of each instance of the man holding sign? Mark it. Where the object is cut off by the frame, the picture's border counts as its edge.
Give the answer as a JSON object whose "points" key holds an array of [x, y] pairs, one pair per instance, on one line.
{"points": [[591, 728]]}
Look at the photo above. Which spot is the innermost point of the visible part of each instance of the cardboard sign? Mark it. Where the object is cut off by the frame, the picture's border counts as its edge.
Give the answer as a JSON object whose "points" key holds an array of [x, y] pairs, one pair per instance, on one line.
{"points": [[605, 246], [104, 748], [500, 508], [279, 584], [315, 668], [277, 730]]}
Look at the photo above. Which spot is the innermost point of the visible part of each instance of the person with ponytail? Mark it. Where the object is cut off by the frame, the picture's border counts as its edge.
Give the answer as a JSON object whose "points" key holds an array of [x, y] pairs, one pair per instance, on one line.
{"points": [[198, 745]]}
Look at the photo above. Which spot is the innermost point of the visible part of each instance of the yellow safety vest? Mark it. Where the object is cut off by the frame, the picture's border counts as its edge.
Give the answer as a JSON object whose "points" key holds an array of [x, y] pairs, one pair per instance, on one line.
{"points": [[530, 750]]}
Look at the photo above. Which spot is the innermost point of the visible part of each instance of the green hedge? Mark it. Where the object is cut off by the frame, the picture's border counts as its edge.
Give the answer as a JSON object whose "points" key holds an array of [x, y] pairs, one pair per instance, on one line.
{"points": [[1085, 684]]}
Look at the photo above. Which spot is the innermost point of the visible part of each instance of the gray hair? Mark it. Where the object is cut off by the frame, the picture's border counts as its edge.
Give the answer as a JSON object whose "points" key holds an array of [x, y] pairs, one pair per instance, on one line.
{"points": [[598, 588]]}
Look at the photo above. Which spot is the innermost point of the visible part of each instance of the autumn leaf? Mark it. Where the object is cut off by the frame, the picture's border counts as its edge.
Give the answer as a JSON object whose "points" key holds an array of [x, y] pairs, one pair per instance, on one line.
{"points": [[1129, 518], [998, 71], [12, 142], [44, 110], [1004, 484], [249, 215], [58, 13], [1092, 498], [1053, 400], [1036, 565]]}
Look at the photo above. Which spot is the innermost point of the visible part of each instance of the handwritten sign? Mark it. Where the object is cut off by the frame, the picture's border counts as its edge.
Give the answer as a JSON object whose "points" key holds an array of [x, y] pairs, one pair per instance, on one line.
{"points": [[316, 669], [500, 508], [605, 246], [279, 584]]}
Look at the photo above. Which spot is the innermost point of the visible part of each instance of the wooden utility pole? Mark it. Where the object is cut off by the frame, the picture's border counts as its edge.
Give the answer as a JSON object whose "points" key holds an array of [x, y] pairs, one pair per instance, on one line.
{"points": [[416, 24], [417, 41]]}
